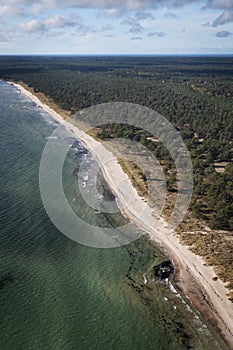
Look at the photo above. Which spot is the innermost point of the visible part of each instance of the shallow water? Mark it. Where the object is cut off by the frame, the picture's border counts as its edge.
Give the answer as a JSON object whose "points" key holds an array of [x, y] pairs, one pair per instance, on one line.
{"points": [[57, 294]]}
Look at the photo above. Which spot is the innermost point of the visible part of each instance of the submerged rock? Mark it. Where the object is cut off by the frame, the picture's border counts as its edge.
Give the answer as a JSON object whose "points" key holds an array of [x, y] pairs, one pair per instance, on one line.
{"points": [[164, 270], [4, 280]]}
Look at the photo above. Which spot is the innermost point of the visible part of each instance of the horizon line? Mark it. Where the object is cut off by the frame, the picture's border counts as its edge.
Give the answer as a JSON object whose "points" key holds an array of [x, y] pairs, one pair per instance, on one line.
{"points": [[119, 54]]}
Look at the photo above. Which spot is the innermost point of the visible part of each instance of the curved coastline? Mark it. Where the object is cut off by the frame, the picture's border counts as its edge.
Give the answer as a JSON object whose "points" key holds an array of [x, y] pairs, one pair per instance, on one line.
{"points": [[194, 279]]}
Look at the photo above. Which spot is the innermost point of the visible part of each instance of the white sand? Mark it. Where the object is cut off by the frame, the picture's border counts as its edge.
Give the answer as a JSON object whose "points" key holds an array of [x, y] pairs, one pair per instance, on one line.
{"points": [[208, 296]]}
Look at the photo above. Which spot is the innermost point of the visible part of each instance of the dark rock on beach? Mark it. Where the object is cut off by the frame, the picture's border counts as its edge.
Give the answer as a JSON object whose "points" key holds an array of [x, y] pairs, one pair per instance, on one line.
{"points": [[164, 270]]}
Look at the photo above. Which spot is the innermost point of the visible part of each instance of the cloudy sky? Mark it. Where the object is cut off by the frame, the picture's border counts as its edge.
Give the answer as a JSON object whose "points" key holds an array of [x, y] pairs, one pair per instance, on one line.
{"points": [[116, 26]]}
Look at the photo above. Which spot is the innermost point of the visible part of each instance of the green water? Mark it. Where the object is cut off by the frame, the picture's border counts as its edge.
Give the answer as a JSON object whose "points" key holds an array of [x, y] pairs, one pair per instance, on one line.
{"points": [[57, 294]]}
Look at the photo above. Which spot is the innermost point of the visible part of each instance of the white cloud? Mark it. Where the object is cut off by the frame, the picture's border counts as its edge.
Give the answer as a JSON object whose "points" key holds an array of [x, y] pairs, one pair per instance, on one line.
{"points": [[225, 17], [136, 38], [33, 26], [223, 34], [140, 21], [140, 16], [158, 34], [84, 30], [113, 5], [114, 12], [59, 22], [9, 10], [106, 28], [49, 18], [220, 4], [129, 21], [109, 7], [170, 15], [108, 4], [3, 38], [136, 28], [46, 25]]}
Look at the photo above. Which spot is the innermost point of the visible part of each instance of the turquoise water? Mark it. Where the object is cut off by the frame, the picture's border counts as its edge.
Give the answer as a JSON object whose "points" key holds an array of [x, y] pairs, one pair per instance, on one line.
{"points": [[57, 294]]}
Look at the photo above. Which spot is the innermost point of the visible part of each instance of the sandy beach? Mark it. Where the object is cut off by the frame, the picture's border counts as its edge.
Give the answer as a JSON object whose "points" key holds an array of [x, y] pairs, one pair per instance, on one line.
{"points": [[194, 279]]}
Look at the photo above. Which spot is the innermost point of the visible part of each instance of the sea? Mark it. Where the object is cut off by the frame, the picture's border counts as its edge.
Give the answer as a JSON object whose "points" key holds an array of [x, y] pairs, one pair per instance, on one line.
{"points": [[58, 294]]}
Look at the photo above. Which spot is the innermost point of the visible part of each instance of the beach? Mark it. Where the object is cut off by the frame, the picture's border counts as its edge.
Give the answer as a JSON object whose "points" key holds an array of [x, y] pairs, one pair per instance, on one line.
{"points": [[193, 278]]}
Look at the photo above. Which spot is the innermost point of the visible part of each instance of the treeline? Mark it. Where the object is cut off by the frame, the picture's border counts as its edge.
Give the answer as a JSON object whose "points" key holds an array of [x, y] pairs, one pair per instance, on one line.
{"points": [[173, 87], [194, 93], [213, 192]]}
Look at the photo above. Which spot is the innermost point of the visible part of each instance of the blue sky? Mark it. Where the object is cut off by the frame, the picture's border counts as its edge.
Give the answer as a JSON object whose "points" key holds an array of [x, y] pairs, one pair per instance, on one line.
{"points": [[116, 27]]}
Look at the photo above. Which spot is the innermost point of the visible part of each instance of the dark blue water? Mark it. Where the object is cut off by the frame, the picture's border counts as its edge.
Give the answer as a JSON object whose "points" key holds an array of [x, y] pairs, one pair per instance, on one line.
{"points": [[57, 294]]}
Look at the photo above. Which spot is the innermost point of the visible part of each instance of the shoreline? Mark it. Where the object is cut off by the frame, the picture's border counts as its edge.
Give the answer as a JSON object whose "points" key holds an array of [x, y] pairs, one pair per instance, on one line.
{"points": [[193, 278]]}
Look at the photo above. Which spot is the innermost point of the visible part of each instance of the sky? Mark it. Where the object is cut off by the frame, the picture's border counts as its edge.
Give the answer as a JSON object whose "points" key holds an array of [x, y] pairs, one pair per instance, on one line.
{"points": [[116, 27]]}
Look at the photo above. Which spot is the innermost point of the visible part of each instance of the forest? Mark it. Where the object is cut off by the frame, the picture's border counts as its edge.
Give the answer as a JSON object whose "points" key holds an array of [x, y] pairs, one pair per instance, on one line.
{"points": [[194, 93]]}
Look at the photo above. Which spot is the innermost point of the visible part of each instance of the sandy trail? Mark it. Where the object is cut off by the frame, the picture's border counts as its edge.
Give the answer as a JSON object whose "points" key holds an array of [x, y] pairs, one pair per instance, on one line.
{"points": [[193, 277]]}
